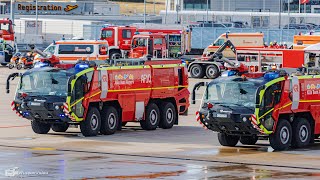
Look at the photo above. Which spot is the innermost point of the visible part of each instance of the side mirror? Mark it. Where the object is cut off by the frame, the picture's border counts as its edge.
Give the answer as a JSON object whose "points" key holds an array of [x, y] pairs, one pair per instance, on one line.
{"points": [[291, 95], [196, 87]]}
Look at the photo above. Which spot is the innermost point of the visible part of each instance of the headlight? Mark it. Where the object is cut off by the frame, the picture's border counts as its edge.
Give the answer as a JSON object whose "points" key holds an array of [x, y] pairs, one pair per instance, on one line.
{"points": [[57, 107], [244, 119]]}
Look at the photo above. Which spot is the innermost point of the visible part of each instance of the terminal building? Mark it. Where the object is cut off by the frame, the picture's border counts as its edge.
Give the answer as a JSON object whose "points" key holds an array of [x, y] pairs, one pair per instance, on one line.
{"points": [[257, 13]]}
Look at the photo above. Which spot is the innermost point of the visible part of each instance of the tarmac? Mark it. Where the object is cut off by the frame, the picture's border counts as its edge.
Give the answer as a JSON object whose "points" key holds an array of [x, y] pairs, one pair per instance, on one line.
{"points": [[186, 151]]}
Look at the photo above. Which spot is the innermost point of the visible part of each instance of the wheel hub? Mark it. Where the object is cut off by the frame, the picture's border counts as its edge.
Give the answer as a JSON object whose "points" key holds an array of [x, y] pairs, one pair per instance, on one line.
{"points": [[112, 121], [169, 115], [195, 71], [153, 117], [94, 122], [284, 135], [303, 133]]}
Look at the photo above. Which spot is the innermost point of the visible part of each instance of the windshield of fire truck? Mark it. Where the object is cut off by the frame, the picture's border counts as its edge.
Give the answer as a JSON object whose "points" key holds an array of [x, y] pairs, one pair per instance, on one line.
{"points": [[45, 83], [5, 26], [232, 93]]}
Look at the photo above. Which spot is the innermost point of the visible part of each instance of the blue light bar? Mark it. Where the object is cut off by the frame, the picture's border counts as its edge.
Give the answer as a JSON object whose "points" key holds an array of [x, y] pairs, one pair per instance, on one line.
{"points": [[228, 73], [271, 76]]}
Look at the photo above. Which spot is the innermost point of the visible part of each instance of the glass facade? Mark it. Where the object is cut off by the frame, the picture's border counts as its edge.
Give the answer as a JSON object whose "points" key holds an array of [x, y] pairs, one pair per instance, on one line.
{"points": [[294, 6], [196, 4]]}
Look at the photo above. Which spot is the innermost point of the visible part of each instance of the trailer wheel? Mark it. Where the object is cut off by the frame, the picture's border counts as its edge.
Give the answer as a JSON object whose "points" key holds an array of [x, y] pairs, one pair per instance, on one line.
{"points": [[109, 120], [152, 117], [301, 132], [40, 127], [196, 71], [212, 72], [63, 127], [91, 125], [11, 66], [249, 140], [168, 115], [228, 140], [281, 138]]}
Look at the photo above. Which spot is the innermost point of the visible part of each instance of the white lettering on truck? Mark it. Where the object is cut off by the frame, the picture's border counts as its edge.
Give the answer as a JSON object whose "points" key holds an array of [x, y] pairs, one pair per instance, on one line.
{"points": [[146, 78]]}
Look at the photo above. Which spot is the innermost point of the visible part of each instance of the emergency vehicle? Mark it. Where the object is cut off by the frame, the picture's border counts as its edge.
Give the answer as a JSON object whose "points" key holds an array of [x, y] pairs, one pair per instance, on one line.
{"points": [[239, 40], [156, 46], [261, 59], [102, 98], [303, 41], [70, 51], [120, 38], [275, 105]]}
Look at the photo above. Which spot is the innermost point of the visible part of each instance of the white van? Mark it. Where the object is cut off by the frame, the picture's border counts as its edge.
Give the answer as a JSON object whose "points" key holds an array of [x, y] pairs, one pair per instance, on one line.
{"points": [[70, 51]]}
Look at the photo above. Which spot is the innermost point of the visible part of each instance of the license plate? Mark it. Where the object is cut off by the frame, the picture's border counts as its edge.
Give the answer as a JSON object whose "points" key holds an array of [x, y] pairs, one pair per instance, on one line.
{"points": [[35, 104], [222, 115]]}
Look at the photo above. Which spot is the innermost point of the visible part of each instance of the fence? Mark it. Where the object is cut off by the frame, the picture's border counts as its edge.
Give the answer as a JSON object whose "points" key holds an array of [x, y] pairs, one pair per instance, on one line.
{"points": [[203, 36]]}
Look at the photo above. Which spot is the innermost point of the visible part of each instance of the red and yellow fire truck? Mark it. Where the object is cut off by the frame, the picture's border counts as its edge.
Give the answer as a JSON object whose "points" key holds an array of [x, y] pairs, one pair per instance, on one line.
{"points": [[120, 38], [283, 108], [103, 98]]}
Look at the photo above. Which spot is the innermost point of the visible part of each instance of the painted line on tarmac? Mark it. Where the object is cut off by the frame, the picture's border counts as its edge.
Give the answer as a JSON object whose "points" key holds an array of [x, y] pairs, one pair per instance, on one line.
{"points": [[5, 127], [171, 158]]}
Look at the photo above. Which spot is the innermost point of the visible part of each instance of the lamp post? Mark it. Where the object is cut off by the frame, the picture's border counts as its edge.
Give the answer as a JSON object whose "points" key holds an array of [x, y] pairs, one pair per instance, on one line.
{"points": [[280, 7], [144, 15], [12, 3], [37, 17], [207, 10]]}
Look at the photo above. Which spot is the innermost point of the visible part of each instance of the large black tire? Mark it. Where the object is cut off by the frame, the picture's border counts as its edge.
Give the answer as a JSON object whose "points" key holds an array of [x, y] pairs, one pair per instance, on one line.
{"points": [[281, 139], [212, 72], [91, 125], [228, 140], [196, 71], [115, 55], [152, 118], [301, 133], [168, 115], [40, 127], [61, 127], [109, 120], [249, 140]]}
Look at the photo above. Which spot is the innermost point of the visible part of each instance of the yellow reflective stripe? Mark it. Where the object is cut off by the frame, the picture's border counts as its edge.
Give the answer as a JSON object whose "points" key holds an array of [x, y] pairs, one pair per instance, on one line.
{"points": [[145, 89], [283, 106], [274, 81], [265, 114], [303, 101], [76, 102], [123, 67], [93, 95], [83, 72], [167, 66]]}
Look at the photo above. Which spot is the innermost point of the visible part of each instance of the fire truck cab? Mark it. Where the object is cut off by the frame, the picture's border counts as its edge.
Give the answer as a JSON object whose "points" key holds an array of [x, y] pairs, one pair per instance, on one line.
{"points": [[281, 107]]}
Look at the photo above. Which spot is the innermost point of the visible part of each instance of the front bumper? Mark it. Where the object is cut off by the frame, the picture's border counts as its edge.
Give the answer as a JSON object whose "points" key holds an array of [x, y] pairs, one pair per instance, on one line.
{"points": [[42, 111], [232, 124]]}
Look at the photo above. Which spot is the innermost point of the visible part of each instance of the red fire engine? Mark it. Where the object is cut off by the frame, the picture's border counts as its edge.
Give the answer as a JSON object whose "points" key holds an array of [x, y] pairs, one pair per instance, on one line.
{"points": [[6, 31], [120, 37], [103, 98]]}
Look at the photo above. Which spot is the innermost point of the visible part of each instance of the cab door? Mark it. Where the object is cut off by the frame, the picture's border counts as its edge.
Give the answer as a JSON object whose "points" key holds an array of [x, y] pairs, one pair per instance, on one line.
{"points": [[79, 86], [267, 99]]}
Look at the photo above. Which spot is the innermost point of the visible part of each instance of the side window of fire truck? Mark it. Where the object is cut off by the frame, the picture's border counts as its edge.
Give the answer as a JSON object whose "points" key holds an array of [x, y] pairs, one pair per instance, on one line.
{"points": [[126, 34], [157, 41], [271, 97]]}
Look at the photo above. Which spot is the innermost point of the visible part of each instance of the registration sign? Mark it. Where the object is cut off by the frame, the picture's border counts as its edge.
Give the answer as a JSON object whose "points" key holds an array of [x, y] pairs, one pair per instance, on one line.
{"points": [[35, 104], [222, 115]]}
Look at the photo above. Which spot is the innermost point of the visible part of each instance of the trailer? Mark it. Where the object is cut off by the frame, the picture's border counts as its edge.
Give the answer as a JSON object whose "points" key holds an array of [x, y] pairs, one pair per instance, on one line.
{"points": [[102, 98]]}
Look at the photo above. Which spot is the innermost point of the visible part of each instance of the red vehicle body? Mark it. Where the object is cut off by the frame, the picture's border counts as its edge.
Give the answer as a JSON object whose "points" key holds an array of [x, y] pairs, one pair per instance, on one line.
{"points": [[259, 58], [6, 30], [120, 38], [103, 98]]}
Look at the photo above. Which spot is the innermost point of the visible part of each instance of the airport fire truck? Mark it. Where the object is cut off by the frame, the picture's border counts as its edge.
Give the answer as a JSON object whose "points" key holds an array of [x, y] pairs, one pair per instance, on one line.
{"points": [[102, 98], [283, 108], [120, 38]]}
